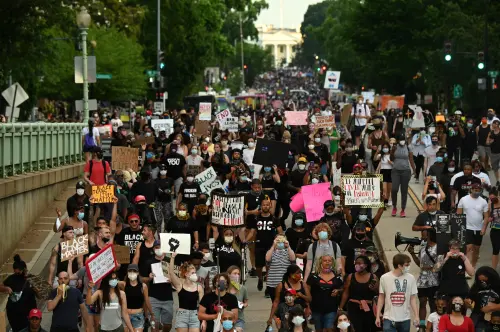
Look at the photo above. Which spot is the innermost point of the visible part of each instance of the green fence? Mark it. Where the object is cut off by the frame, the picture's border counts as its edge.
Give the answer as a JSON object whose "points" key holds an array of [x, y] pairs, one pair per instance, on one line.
{"points": [[37, 146]]}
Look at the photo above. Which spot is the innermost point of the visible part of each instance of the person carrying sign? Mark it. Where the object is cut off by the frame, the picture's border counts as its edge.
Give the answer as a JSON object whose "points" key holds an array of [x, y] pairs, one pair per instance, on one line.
{"points": [[56, 264]]}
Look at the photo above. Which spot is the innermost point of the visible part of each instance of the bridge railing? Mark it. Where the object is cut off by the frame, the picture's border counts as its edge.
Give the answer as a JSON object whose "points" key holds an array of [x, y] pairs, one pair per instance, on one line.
{"points": [[38, 146]]}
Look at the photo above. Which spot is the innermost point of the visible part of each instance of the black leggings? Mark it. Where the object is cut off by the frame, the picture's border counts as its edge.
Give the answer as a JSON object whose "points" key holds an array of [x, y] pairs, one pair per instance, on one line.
{"points": [[282, 204], [419, 165], [495, 240]]}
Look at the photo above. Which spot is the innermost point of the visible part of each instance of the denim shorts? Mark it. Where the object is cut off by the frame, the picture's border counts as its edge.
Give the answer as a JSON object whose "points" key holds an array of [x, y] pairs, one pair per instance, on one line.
{"points": [[186, 319], [324, 320], [137, 320], [163, 310], [240, 323]]}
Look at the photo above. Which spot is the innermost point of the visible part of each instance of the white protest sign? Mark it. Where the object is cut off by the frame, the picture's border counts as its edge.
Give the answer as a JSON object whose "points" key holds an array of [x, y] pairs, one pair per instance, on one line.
{"points": [[79, 246], [230, 124], [300, 263], [179, 243], [163, 124], [359, 190], [101, 264], [205, 179], [332, 79], [237, 145], [228, 210], [157, 270], [223, 115], [205, 113], [158, 106]]}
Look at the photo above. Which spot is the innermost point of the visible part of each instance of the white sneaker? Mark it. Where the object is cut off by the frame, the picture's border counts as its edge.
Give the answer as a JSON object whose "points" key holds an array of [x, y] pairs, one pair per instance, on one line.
{"points": [[389, 203]]}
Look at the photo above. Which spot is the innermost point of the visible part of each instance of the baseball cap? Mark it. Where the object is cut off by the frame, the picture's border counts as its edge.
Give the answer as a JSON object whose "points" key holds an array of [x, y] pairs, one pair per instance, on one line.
{"points": [[133, 267], [35, 313], [133, 216], [302, 160], [139, 198], [328, 203], [291, 291], [80, 185]]}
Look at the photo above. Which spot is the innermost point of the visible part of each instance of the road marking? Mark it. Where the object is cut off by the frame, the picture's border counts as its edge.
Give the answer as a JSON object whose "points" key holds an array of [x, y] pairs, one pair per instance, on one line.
{"points": [[415, 200]]}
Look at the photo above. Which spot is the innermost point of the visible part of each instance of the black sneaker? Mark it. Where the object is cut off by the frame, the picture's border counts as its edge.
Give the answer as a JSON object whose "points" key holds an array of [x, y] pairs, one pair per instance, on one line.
{"points": [[252, 273], [260, 285]]}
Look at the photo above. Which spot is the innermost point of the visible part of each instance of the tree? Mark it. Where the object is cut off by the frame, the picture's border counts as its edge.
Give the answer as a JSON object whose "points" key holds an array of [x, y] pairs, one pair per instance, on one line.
{"points": [[257, 60]]}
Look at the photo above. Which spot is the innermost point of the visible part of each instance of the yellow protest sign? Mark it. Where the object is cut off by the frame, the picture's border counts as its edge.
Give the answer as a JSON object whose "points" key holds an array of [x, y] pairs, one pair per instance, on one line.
{"points": [[103, 194]]}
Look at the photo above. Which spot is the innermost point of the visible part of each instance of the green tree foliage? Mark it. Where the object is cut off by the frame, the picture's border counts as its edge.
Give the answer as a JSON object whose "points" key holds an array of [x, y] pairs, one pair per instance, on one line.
{"points": [[257, 60]]}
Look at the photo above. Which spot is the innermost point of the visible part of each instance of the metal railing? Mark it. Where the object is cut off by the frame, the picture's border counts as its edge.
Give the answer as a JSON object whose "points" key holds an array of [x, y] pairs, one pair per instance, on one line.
{"points": [[38, 146]]}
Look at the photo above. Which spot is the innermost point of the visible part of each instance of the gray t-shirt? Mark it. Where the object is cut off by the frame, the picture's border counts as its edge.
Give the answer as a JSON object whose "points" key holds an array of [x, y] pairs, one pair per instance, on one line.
{"points": [[401, 161], [321, 250], [82, 274], [242, 295]]}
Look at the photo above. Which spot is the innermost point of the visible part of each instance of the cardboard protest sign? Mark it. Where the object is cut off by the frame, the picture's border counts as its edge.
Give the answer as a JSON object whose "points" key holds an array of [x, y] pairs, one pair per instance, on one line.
{"points": [[346, 113], [202, 127], [122, 254], [230, 124], [332, 80], [166, 125], [193, 169], [315, 195], [105, 130], [269, 152], [179, 243], [228, 210], [325, 121], [79, 246], [362, 190], [124, 158], [3, 321], [101, 264], [143, 140], [223, 115], [205, 111], [103, 194], [298, 118]]}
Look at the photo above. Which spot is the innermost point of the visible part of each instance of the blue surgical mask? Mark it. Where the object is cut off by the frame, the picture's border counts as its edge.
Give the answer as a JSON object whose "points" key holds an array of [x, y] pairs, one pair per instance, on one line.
{"points": [[243, 178], [439, 159], [446, 155], [299, 222], [227, 324], [281, 245], [469, 125], [278, 123], [323, 235], [386, 150], [362, 217], [113, 283], [81, 215], [149, 155], [267, 169]]}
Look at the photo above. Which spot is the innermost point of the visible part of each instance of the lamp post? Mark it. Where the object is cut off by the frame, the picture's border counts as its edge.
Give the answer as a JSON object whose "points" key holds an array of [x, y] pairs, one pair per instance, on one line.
{"points": [[83, 22]]}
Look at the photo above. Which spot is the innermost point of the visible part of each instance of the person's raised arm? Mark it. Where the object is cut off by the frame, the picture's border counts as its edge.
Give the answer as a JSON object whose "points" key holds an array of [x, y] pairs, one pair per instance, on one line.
{"points": [[92, 298], [137, 254], [174, 279]]}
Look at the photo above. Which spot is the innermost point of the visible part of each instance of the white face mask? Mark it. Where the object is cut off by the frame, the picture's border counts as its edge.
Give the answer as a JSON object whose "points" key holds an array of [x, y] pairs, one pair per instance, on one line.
{"points": [[314, 181], [406, 269], [182, 213], [343, 325], [251, 144], [132, 276], [228, 239], [317, 139], [302, 167], [298, 320], [163, 172], [451, 169], [193, 277], [80, 192], [311, 147], [148, 134], [207, 256], [190, 179], [158, 252], [402, 142]]}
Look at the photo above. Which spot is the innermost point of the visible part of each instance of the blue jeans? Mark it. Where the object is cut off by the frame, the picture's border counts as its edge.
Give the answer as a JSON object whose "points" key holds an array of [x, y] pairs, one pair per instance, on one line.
{"points": [[390, 326], [324, 320]]}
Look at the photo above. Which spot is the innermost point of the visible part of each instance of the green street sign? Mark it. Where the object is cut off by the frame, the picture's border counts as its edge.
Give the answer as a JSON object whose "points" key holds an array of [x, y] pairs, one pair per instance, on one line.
{"points": [[104, 76], [457, 91], [151, 73], [493, 73]]}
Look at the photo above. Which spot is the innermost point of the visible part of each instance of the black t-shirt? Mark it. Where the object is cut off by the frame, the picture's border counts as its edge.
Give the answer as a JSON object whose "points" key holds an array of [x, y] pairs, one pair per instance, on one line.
{"points": [[65, 314], [338, 224], [266, 230], [453, 280], [426, 219], [348, 162], [189, 193], [147, 189], [227, 256], [464, 184], [295, 237], [161, 291], [351, 250], [210, 301], [130, 238], [253, 201], [18, 284], [176, 226], [164, 187], [175, 165], [321, 290], [297, 178]]}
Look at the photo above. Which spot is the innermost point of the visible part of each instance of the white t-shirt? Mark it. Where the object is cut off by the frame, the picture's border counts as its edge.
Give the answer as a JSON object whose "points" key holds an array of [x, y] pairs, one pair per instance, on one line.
{"points": [[397, 291], [434, 319], [430, 154], [248, 156], [482, 176], [115, 123], [384, 162], [473, 208], [95, 132], [194, 160], [361, 110]]}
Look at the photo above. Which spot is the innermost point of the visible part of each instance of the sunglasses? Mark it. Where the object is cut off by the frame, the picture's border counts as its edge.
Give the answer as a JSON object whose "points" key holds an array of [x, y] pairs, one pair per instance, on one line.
{"points": [[133, 221]]}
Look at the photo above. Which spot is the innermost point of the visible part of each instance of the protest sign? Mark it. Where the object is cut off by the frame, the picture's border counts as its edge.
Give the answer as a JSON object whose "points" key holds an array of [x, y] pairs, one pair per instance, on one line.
{"points": [[205, 111], [202, 127], [362, 190], [443, 223], [443, 233], [269, 152], [346, 113], [103, 194], [297, 203], [193, 169], [122, 254], [101, 264], [105, 130], [205, 178], [332, 80], [325, 121], [79, 246], [143, 140], [178, 243], [159, 276], [336, 174], [458, 223], [124, 158], [315, 195], [389, 102], [368, 96], [228, 210], [223, 115], [230, 124], [300, 263], [166, 125], [298, 118]]}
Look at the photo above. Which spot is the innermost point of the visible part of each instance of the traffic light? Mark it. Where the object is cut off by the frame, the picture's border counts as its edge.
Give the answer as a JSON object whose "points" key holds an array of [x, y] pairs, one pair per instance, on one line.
{"points": [[363, 88], [245, 66], [163, 65], [447, 51], [318, 69], [323, 68], [480, 60]]}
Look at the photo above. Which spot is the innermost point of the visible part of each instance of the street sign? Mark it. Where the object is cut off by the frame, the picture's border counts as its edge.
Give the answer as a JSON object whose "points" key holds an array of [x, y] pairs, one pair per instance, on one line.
{"points": [[457, 91], [104, 76], [92, 105], [165, 95], [15, 94], [151, 73], [158, 106], [91, 69], [493, 73], [481, 84]]}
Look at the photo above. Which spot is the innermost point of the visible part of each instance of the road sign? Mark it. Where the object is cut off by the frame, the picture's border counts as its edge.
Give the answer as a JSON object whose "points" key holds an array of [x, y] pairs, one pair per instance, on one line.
{"points": [[151, 73], [91, 69], [92, 105], [457, 91], [158, 106], [493, 73], [104, 76], [15, 94]]}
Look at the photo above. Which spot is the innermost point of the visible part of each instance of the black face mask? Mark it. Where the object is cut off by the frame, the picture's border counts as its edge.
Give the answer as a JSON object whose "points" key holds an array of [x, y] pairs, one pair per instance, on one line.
{"points": [[483, 285], [360, 236], [105, 240]]}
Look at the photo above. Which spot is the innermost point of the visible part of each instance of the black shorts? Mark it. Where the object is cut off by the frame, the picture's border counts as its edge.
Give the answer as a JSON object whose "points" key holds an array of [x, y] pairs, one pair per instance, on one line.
{"points": [[88, 148], [358, 130], [473, 237], [260, 257], [429, 293], [387, 175]]}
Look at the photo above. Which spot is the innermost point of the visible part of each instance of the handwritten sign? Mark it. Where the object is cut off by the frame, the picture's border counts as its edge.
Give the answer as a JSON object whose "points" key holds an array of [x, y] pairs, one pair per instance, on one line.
{"points": [[105, 130], [179, 243], [228, 210], [79, 246], [101, 264], [103, 194], [360, 190], [458, 223], [205, 111], [315, 195], [143, 140], [122, 254], [230, 124], [166, 125], [208, 181], [325, 121], [223, 115], [298, 118], [392, 102], [124, 158]]}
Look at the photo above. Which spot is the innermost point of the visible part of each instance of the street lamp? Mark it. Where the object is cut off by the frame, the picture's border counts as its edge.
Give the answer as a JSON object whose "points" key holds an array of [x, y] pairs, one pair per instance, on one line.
{"points": [[83, 22]]}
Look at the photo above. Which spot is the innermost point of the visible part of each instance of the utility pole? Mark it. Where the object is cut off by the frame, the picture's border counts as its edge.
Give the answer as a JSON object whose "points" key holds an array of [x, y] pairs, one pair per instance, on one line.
{"points": [[158, 46], [242, 56], [486, 55]]}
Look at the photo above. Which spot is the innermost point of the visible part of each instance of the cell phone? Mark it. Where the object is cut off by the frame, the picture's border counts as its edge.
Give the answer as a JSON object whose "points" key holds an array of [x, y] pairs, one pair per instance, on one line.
{"points": [[433, 178]]}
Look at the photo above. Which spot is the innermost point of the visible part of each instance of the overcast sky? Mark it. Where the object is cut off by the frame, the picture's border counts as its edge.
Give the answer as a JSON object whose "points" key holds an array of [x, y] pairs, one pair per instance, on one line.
{"points": [[293, 12]]}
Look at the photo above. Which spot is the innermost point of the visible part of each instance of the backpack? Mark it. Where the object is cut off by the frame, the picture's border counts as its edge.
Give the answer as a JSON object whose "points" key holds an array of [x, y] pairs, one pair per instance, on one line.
{"points": [[103, 167], [89, 141], [315, 246]]}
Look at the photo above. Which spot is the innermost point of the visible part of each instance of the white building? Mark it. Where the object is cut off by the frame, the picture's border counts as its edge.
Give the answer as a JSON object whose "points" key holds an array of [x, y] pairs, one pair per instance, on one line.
{"points": [[281, 42]]}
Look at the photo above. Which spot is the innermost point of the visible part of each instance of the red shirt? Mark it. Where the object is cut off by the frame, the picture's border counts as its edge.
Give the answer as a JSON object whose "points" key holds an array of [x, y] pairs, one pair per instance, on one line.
{"points": [[446, 325], [97, 175]]}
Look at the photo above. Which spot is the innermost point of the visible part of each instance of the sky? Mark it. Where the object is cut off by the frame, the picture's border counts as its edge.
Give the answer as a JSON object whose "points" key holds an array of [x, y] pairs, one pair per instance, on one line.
{"points": [[293, 12]]}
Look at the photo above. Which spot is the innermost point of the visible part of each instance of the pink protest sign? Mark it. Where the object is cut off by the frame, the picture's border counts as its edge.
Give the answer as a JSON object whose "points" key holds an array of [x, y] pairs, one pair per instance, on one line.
{"points": [[297, 203], [297, 118], [315, 196]]}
